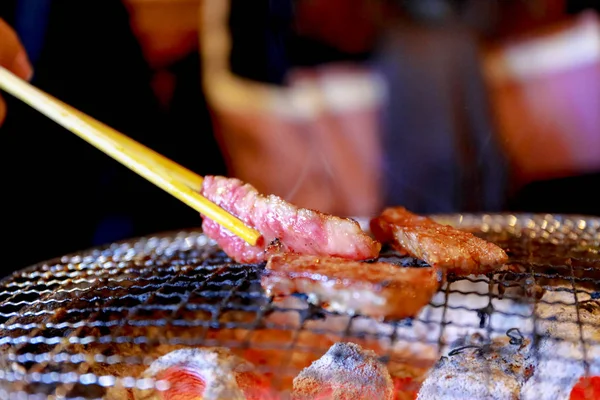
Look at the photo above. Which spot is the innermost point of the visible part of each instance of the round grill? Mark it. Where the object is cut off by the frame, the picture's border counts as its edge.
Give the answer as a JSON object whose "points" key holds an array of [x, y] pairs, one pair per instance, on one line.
{"points": [[87, 325]]}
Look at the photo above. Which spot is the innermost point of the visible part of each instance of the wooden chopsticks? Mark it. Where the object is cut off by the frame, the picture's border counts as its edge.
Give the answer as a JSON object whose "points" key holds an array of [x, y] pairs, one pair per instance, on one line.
{"points": [[176, 180]]}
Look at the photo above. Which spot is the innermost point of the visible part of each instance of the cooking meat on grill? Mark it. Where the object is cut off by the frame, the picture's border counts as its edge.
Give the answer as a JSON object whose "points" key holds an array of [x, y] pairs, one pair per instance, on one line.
{"points": [[439, 245], [299, 230], [376, 289], [345, 372], [479, 369], [207, 374]]}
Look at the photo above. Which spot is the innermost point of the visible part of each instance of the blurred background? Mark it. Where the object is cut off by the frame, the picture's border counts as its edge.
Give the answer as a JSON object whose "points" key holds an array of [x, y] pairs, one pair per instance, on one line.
{"points": [[345, 106]]}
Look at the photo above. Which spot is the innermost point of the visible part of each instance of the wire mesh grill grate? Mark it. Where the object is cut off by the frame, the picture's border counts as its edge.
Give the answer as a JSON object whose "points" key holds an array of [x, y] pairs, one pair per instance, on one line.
{"points": [[88, 325]]}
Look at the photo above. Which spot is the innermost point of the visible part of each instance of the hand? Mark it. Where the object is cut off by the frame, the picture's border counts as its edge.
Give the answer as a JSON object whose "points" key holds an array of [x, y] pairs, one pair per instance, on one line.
{"points": [[13, 58]]}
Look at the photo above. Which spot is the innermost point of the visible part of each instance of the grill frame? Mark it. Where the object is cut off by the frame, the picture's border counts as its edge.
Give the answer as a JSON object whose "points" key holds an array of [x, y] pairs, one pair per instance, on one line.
{"points": [[556, 230]]}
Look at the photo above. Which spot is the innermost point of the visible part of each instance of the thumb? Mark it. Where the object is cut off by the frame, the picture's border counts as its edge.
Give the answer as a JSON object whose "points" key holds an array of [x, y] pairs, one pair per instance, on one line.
{"points": [[21, 66], [12, 53]]}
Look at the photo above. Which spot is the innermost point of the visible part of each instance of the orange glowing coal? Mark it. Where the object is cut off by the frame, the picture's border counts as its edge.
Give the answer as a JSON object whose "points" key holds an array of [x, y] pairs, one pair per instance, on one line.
{"points": [[586, 389], [407, 387], [185, 384], [211, 373]]}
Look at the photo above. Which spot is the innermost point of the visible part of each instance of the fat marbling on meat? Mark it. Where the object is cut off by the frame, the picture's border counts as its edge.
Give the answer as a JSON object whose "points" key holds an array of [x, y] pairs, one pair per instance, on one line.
{"points": [[300, 230]]}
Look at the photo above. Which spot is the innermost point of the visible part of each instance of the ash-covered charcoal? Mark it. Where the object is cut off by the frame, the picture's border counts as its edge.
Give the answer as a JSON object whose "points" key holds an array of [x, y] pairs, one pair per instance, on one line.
{"points": [[479, 369], [561, 360], [345, 372], [209, 374]]}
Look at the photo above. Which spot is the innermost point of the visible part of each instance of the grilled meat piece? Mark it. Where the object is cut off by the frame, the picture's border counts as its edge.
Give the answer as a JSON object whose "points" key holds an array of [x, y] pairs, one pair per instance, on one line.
{"points": [[456, 251], [376, 289], [345, 372], [299, 230], [209, 374]]}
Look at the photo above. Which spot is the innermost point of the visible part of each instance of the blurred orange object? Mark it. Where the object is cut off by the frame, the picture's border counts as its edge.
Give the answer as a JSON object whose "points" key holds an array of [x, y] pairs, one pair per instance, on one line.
{"points": [[166, 29], [314, 142], [545, 90], [328, 21], [586, 389]]}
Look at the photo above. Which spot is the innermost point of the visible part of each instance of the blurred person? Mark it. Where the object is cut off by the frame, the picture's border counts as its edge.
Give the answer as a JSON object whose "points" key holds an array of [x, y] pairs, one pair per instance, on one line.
{"points": [[293, 104], [298, 114], [439, 145], [295, 114]]}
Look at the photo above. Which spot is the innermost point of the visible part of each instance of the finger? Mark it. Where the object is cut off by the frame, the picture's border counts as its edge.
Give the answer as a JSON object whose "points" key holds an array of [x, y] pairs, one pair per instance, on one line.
{"points": [[12, 54], [2, 110]]}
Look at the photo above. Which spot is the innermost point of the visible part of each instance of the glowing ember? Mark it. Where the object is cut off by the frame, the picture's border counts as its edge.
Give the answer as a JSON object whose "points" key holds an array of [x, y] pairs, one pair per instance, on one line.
{"points": [[406, 388], [194, 374], [586, 389], [184, 384]]}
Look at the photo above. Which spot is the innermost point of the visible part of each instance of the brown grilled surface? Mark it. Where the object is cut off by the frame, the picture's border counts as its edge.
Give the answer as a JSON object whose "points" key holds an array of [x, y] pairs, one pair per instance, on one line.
{"points": [[380, 290], [442, 246], [78, 325]]}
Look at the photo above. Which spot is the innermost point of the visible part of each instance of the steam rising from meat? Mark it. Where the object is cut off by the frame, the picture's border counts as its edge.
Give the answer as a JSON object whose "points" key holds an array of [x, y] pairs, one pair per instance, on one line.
{"points": [[345, 372], [299, 230]]}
